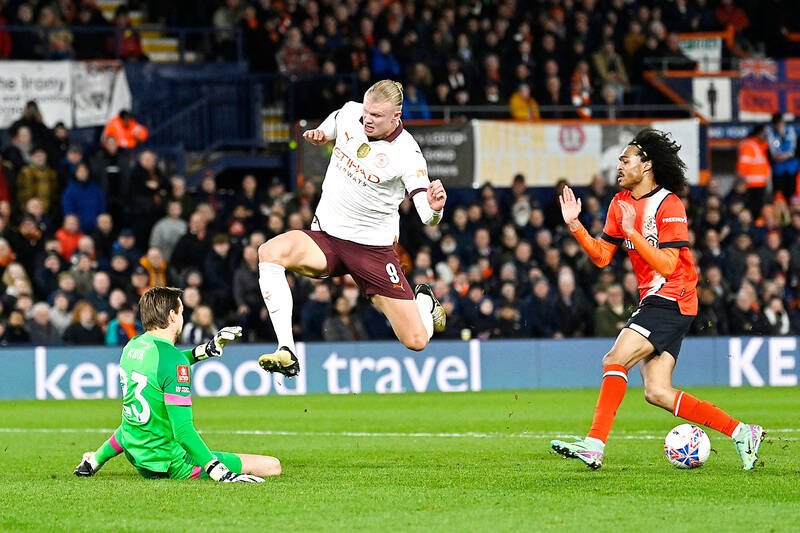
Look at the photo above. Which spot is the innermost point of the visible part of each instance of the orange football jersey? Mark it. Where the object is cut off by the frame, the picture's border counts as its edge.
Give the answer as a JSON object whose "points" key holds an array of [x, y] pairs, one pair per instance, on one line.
{"points": [[661, 219]]}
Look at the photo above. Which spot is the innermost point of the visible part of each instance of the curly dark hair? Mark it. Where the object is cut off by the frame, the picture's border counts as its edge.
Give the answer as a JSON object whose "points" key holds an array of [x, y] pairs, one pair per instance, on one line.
{"points": [[669, 170]]}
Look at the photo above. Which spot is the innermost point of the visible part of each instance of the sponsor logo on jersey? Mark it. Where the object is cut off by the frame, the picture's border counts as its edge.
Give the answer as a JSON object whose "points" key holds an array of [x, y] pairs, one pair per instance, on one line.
{"points": [[381, 161], [673, 219], [352, 168], [421, 173], [183, 373], [363, 150], [182, 389]]}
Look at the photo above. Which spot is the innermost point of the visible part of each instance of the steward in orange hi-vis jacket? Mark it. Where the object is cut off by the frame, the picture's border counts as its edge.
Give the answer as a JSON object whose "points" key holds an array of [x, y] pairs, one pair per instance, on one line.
{"points": [[127, 131]]}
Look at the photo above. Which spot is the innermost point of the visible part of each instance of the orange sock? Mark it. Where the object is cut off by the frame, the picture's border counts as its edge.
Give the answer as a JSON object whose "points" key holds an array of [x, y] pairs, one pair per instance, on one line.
{"points": [[704, 413], [612, 391]]}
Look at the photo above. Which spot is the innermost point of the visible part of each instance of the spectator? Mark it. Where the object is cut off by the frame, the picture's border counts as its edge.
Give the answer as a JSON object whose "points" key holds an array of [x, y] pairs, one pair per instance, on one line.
{"points": [[139, 283], [17, 155], [219, 266], [82, 272], [156, 267], [85, 198], [610, 318], [342, 326], [610, 69], [111, 168], [415, 105], [38, 180], [68, 235], [84, 329], [25, 44], [15, 332], [777, 317], [101, 292], [126, 245], [745, 318], [40, 330], [295, 57], [60, 315], [728, 14], [315, 311], [753, 167], [32, 119], [126, 43], [123, 327], [225, 20], [168, 230], [538, 312], [782, 142], [384, 64], [201, 328], [523, 105], [126, 130], [192, 248], [247, 292]]}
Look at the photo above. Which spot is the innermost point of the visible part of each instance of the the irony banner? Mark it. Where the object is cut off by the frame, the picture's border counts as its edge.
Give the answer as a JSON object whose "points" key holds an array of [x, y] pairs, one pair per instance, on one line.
{"points": [[77, 93]]}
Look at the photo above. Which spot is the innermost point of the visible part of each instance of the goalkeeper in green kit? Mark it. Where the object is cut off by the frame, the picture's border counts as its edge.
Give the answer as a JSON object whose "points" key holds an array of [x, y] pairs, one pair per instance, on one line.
{"points": [[157, 434]]}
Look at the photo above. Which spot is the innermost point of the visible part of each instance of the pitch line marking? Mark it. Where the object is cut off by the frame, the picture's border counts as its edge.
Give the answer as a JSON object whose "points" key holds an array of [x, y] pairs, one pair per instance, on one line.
{"points": [[631, 435]]}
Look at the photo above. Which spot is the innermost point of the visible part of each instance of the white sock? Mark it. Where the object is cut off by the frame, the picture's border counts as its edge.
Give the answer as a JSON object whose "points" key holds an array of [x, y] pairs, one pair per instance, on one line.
{"points": [[425, 306], [278, 298], [597, 441], [737, 430]]}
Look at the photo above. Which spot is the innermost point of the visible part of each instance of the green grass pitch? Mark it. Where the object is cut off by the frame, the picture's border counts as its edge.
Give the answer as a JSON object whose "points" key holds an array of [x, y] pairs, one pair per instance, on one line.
{"points": [[410, 462]]}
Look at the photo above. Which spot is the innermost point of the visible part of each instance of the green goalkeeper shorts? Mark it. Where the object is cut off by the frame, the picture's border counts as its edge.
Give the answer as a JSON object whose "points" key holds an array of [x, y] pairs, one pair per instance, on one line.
{"points": [[187, 468]]}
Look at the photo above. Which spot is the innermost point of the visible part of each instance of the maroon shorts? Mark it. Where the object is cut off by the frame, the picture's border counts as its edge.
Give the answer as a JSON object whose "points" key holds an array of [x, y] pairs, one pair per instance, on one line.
{"points": [[375, 269]]}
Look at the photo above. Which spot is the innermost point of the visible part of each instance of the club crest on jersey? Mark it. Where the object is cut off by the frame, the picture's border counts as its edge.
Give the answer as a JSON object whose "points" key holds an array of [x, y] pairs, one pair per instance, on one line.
{"points": [[183, 373], [381, 161], [363, 150], [649, 225]]}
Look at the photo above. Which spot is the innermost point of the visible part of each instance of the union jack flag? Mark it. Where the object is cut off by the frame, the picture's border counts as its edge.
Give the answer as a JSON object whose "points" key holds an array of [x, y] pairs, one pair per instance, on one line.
{"points": [[759, 69]]}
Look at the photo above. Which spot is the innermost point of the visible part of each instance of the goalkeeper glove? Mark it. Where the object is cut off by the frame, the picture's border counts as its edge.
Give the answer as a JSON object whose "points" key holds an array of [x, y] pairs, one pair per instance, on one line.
{"points": [[219, 472], [213, 348], [88, 466]]}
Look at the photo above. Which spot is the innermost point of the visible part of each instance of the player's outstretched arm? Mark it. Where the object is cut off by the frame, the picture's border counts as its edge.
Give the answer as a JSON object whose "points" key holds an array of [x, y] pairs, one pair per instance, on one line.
{"points": [[599, 251], [180, 417], [316, 136], [214, 347]]}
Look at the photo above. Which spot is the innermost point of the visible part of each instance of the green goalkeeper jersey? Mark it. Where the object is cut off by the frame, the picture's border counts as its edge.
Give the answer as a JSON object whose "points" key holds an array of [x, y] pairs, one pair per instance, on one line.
{"points": [[157, 427]]}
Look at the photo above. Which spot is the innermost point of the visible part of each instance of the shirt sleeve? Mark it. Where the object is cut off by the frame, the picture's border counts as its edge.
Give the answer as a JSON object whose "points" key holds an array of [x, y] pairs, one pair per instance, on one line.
{"points": [[612, 232], [175, 378], [416, 181], [672, 225], [328, 125]]}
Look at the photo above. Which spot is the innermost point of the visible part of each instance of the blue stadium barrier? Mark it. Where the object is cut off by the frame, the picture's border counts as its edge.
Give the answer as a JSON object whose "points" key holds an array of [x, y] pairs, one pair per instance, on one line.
{"points": [[387, 367]]}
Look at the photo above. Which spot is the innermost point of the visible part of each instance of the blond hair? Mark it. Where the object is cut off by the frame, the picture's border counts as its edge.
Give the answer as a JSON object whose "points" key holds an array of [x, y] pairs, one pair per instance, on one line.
{"points": [[386, 91]]}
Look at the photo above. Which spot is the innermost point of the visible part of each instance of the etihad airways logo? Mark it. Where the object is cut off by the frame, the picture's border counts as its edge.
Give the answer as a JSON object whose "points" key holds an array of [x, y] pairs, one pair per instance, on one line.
{"points": [[352, 168]]}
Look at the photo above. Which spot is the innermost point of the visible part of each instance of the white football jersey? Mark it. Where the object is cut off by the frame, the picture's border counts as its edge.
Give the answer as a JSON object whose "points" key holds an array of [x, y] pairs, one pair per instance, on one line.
{"points": [[367, 180]]}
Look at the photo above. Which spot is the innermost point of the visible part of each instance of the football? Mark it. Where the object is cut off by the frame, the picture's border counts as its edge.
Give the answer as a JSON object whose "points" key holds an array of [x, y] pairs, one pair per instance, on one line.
{"points": [[687, 446]]}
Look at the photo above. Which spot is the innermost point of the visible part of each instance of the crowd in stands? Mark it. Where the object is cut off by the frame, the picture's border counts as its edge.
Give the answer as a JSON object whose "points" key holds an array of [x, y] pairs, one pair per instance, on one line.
{"points": [[547, 58], [84, 231]]}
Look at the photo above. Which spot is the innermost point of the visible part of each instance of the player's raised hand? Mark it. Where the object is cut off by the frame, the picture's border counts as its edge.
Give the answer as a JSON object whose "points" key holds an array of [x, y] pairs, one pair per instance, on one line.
{"points": [[436, 195], [214, 347], [628, 217], [316, 136], [570, 208]]}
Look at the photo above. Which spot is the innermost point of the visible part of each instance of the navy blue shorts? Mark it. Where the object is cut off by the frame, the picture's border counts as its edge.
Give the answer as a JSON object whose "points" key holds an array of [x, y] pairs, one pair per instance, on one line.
{"points": [[660, 321]]}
